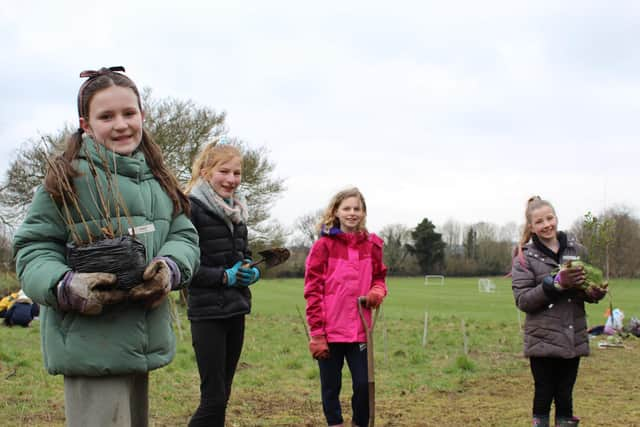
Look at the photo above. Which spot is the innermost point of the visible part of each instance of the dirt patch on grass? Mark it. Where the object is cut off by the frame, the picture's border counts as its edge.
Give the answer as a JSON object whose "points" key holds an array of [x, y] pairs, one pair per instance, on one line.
{"points": [[606, 394]]}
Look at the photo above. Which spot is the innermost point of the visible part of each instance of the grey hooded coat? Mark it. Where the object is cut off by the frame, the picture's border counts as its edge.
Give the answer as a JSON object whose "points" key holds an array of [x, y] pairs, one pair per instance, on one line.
{"points": [[555, 324]]}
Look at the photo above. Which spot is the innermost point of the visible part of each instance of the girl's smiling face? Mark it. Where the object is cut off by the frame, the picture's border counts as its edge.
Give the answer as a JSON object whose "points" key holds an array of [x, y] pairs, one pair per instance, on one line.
{"points": [[544, 223], [115, 119], [225, 177], [350, 214]]}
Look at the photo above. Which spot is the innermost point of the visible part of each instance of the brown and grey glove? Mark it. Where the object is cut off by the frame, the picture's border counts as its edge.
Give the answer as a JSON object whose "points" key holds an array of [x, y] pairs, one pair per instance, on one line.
{"points": [[569, 277], [161, 275], [87, 293], [595, 293]]}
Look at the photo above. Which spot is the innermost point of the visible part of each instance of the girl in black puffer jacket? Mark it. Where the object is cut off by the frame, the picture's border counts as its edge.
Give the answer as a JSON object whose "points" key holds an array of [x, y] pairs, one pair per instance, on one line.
{"points": [[555, 329], [219, 296]]}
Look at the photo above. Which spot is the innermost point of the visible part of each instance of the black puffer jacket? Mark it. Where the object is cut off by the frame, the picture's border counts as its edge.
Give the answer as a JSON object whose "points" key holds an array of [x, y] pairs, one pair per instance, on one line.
{"points": [[220, 248], [556, 324]]}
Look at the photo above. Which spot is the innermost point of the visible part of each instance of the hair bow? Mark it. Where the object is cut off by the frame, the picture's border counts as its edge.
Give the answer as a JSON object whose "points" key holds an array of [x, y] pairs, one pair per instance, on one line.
{"points": [[92, 74], [104, 70]]}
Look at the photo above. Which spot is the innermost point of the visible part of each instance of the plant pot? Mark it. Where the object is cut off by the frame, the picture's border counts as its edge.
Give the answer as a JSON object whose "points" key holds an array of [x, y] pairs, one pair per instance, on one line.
{"points": [[123, 256]]}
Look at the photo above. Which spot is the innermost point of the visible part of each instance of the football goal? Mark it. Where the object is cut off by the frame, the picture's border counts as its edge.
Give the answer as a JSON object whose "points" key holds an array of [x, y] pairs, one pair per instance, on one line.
{"points": [[486, 285], [433, 279]]}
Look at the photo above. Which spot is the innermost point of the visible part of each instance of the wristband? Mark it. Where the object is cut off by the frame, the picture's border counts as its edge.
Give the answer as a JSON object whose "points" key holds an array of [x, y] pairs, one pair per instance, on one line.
{"points": [[176, 276], [556, 283], [62, 293]]}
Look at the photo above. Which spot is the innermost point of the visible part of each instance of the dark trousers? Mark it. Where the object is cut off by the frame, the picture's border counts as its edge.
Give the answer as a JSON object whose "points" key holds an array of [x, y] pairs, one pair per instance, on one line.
{"points": [[331, 382], [554, 379], [217, 344]]}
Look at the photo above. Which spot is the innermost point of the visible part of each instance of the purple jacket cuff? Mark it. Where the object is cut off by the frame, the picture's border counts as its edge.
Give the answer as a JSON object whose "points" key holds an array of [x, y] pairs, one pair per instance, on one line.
{"points": [[64, 300], [175, 271]]}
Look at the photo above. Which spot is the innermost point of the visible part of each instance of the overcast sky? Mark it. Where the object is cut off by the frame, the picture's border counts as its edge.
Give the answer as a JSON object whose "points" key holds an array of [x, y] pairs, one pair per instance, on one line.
{"points": [[446, 110]]}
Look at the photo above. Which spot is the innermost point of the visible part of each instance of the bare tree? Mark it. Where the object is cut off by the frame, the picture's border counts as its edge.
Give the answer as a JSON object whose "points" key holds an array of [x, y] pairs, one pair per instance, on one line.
{"points": [[258, 184], [485, 231], [452, 234], [624, 259], [485, 251], [624, 245], [25, 174], [508, 232], [182, 129], [396, 238], [306, 227], [271, 234], [6, 258]]}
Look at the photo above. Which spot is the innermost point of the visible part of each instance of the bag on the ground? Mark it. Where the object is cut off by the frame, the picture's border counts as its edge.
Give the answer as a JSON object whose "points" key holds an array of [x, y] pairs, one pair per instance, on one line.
{"points": [[22, 310], [7, 302]]}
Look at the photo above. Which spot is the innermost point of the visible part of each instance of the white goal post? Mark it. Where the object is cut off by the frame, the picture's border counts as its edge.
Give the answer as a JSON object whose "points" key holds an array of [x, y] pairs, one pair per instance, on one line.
{"points": [[486, 285], [434, 279]]}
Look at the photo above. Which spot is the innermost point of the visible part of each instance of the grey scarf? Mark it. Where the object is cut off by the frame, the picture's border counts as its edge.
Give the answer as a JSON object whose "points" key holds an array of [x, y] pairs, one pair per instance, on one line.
{"points": [[234, 212]]}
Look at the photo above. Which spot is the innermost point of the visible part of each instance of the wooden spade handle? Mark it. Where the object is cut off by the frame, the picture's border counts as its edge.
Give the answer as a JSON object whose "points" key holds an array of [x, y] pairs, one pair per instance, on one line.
{"points": [[362, 301]]}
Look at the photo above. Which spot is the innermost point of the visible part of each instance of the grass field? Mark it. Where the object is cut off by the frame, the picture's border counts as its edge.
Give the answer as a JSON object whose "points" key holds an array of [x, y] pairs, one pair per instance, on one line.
{"points": [[277, 382]]}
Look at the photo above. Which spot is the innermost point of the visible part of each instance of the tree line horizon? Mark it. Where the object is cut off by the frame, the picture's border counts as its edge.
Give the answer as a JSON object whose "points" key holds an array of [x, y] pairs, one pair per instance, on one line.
{"points": [[182, 128]]}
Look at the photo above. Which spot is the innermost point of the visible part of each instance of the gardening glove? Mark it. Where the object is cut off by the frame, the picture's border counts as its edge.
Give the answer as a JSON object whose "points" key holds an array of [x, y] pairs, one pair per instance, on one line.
{"points": [[569, 277], [595, 293], [86, 293], [161, 275], [247, 275], [374, 297], [319, 347], [232, 273]]}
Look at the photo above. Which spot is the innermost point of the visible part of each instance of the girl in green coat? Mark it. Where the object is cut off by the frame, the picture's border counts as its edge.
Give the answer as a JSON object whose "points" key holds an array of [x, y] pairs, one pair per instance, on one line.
{"points": [[105, 337]]}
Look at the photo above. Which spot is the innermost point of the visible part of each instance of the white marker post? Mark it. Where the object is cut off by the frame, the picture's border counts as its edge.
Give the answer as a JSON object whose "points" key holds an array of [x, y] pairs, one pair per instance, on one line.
{"points": [[424, 332]]}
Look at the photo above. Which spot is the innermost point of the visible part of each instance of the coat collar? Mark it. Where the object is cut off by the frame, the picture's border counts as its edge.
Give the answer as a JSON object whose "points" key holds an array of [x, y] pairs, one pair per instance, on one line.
{"points": [[336, 233], [562, 240], [133, 166]]}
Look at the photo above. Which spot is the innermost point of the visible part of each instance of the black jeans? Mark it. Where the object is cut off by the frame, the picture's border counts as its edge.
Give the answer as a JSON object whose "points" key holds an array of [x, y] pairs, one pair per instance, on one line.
{"points": [[331, 382], [554, 379], [217, 344]]}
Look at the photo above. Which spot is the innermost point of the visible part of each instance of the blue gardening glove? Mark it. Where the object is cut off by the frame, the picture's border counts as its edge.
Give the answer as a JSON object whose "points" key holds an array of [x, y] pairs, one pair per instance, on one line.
{"points": [[232, 273], [247, 276]]}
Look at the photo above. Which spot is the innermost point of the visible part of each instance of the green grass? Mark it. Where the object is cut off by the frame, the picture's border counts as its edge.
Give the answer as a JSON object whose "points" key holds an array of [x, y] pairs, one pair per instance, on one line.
{"points": [[277, 382], [8, 283]]}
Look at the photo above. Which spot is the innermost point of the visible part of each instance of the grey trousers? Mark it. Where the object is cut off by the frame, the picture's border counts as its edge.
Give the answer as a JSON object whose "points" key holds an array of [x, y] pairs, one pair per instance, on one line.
{"points": [[111, 401]]}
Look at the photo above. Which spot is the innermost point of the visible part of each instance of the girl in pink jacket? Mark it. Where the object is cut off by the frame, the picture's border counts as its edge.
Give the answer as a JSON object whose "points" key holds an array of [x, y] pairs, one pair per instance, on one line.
{"points": [[343, 264]]}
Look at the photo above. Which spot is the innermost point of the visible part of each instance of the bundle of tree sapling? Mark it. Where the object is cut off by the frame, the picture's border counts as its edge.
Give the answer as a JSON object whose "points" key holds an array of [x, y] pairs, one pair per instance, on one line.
{"points": [[124, 256], [593, 276], [100, 242]]}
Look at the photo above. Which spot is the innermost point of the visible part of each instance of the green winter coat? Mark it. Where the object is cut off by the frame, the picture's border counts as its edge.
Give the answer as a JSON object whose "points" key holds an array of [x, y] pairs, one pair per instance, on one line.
{"points": [[125, 338]]}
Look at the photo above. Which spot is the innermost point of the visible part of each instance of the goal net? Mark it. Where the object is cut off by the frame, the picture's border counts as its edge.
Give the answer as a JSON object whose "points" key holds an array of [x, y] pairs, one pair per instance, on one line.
{"points": [[434, 279], [486, 285]]}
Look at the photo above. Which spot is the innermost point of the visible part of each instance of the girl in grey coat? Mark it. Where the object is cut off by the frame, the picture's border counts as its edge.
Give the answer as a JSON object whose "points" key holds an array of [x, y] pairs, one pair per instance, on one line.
{"points": [[555, 335]]}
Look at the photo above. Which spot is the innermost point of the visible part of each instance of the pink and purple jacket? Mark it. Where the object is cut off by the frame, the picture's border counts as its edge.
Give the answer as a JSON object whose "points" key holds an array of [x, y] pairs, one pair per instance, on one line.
{"points": [[340, 268]]}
